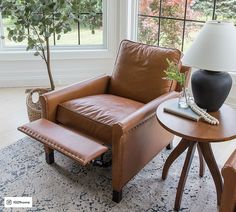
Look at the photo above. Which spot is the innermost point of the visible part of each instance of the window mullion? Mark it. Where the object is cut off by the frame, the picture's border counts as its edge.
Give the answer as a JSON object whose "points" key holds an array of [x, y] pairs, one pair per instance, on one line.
{"points": [[159, 23], [79, 35], [214, 10], [1, 33], [105, 22], [184, 26]]}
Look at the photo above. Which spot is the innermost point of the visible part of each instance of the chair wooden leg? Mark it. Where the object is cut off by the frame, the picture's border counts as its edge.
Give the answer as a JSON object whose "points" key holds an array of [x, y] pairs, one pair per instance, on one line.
{"points": [[117, 196], [170, 146], [49, 155], [184, 174], [202, 162], [181, 147], [212, 165]]}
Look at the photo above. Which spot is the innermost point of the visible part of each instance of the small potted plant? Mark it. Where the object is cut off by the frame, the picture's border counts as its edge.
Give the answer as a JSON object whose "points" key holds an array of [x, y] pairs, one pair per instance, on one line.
{"points": [[172, 73], [36, 22]]}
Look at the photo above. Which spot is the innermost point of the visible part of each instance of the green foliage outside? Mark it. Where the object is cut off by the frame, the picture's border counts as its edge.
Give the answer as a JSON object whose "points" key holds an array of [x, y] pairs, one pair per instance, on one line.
{"points": [[225, 9], [38, 21], [90, 11]]}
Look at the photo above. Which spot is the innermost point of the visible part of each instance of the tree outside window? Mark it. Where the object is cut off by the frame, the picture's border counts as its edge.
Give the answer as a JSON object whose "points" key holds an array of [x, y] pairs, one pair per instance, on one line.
{"points": [[175, 23]]}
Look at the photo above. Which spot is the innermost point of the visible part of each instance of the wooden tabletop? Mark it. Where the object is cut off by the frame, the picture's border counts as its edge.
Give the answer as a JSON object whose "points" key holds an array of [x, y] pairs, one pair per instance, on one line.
{"points": [[200, 131]]}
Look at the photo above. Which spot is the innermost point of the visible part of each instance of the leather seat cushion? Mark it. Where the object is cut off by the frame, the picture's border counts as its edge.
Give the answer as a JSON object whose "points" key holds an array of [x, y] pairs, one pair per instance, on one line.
{"points": [[95, 115]]}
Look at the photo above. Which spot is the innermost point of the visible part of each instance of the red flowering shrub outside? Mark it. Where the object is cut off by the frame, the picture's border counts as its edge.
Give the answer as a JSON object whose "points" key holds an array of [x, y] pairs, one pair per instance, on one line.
{"points": [[171, 31]]}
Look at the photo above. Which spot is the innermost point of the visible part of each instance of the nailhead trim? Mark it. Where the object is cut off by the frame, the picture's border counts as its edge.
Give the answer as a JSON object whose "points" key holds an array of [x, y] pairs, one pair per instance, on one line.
{"points": [[141, 123], [50, 143]]}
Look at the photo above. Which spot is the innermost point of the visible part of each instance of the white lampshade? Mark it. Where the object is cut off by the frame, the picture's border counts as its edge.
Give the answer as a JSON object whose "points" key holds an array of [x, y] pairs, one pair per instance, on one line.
{"points": [[214, 48]]}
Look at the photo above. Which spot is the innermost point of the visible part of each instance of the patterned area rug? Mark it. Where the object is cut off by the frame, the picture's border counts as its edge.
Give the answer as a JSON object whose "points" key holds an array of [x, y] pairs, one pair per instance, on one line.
{"points": [[67, 186]]}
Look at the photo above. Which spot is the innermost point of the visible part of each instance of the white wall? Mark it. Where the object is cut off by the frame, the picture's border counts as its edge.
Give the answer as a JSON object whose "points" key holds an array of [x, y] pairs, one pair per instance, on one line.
{"points": [[33, 73], [232, 96]]}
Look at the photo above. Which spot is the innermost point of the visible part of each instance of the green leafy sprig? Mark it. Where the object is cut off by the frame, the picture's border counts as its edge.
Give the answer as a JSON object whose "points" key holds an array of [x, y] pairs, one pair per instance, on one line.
{"points": [[173, 73]]}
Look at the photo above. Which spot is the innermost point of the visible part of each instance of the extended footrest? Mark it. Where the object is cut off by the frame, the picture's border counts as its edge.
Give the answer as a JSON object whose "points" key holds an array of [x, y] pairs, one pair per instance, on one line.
{"points": [[75, 145]]}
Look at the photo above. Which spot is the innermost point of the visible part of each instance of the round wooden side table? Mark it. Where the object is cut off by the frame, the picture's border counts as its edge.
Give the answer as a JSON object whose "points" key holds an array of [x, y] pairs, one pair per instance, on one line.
{"points": [[197, 135]]}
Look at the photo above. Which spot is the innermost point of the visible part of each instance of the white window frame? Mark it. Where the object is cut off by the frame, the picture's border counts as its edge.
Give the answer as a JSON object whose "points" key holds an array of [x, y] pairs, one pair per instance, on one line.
{"points": [[133, 19], [106, 50]]}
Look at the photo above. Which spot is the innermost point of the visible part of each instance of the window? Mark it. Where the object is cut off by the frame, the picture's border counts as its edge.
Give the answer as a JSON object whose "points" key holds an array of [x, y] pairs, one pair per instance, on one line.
{"points": [[90, 31], [175, 23]]}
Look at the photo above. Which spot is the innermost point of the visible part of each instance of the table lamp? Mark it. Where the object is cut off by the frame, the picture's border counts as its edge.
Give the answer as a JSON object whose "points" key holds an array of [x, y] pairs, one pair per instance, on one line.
{"points": [[214, 54]]}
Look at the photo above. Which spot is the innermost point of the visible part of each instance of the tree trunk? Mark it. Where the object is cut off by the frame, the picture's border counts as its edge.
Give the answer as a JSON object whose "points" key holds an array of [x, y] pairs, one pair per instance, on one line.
{"points": [[48, 63]]}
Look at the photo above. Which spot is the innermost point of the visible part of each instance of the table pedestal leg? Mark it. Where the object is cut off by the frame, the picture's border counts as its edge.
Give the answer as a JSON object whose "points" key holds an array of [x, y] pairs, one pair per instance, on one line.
{"points": [[179, 149], [212, 165], [205, 155], [184, 173], [202, 162]]}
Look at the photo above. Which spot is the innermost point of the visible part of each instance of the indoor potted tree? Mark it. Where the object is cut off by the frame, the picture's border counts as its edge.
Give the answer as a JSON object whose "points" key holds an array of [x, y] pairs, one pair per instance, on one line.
{"points": [[36, 22]]}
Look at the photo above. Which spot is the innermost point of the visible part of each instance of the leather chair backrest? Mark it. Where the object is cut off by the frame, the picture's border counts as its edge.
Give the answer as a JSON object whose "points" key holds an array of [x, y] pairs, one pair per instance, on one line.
{"points": [[139, 71]]}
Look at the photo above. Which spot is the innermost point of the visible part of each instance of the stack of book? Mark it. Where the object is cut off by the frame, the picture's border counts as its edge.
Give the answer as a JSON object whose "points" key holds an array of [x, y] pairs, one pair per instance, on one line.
{"points": [[173, 108]]}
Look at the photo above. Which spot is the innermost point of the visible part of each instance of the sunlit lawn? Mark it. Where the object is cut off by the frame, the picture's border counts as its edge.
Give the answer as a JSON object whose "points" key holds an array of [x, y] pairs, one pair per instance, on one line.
{"points": [[71, 38], [86, 38]]}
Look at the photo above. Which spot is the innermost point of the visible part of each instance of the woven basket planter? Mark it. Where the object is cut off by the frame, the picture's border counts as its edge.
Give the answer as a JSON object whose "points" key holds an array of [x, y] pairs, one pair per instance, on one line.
{"points": [[34, 109]]}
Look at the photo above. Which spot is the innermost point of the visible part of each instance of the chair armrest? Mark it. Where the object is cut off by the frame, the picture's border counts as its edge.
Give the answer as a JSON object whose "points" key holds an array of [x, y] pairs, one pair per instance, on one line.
{"points": [[230, 163], [228, 198], [136, 140], [149, 109], [49, 101]]}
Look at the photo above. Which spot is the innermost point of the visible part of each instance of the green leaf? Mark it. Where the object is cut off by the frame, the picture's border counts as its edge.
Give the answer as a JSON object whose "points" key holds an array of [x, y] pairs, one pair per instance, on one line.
{"points": [[47, 34], [172, 73], [58, 37]]}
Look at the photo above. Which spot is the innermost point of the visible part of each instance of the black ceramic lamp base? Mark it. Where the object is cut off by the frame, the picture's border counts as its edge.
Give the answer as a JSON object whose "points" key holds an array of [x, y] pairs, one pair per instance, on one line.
{"points": [[210, 89]]}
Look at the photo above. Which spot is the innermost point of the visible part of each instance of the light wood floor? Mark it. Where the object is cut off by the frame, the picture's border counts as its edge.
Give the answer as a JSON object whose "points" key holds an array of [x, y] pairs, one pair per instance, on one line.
{"points": [[13, 114]]}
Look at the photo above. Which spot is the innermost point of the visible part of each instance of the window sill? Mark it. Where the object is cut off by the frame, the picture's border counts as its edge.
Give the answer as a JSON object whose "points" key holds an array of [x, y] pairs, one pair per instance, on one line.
{"points": [[60, 54]]}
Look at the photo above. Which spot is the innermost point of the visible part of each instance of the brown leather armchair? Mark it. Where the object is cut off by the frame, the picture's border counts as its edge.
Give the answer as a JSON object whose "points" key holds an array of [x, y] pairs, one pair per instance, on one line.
{"points": [[119, 110], [228, 200]]}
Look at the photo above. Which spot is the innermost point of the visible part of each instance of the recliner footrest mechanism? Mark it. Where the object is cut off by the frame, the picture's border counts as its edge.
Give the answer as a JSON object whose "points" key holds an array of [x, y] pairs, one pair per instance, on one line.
{"points": [[75, 145]]}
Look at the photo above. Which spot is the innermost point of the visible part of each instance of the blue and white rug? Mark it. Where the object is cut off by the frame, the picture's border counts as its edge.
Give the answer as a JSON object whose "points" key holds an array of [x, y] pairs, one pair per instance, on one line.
{"points": [[67, 186]]}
